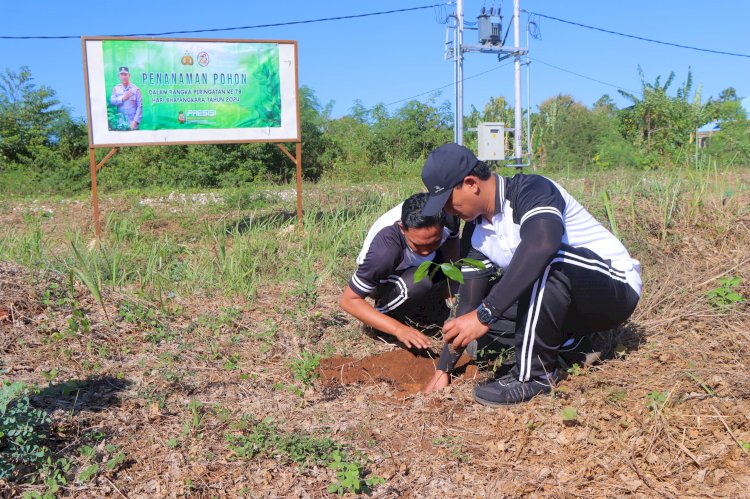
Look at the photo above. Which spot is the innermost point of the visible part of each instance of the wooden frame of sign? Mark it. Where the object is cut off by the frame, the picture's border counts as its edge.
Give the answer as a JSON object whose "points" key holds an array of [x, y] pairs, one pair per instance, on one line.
{"points": [[288, 132]]}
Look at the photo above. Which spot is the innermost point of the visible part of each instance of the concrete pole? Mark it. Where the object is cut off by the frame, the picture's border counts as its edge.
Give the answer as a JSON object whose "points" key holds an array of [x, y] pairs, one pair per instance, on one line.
{"points": [[517, 44], [528, 101], [458, 127], [455, 84]]}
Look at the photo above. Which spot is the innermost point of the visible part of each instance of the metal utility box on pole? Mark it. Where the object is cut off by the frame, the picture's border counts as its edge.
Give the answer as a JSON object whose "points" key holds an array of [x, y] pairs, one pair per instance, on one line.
{"points": [[491, 141]]}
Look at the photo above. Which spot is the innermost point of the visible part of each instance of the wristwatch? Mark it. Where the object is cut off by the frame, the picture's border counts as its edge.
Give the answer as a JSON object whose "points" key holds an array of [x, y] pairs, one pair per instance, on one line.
{"points": [[484, 314]]}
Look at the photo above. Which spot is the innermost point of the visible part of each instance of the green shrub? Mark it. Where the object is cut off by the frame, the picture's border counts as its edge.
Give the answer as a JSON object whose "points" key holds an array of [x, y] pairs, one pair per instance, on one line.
{"points": [[731, 145], [23, 430], [613, 151]]}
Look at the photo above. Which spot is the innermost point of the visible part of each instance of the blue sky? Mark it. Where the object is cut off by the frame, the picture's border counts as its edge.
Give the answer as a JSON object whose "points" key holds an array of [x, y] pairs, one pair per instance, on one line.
{"points": [[392, 57]]}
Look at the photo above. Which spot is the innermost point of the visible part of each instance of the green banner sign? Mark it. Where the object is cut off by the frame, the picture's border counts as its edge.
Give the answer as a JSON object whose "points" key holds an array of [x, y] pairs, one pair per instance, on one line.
{"points": [[172, 85]]}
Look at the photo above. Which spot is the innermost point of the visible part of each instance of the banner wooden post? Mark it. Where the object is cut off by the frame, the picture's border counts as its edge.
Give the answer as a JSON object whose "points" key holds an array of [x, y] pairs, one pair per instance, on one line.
{"points": [[298, 163], [299, 183], [94, 195]]}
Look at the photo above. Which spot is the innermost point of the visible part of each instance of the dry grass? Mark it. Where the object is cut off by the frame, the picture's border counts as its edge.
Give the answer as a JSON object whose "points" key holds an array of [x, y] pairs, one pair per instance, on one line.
{"points": [[666, 416]]}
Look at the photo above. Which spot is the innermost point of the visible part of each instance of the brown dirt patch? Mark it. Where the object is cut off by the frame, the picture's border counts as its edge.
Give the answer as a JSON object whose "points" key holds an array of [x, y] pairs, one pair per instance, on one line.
{"points": [[405, 372]]}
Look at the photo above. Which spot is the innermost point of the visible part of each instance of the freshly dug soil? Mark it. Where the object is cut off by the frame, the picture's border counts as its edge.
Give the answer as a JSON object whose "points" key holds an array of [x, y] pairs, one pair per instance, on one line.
{"points": [[405, 372]]}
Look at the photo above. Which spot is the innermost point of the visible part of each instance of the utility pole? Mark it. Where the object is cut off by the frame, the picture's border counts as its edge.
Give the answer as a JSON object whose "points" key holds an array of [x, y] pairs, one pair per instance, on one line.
{"points": [[517, 69], [492, 46], [458, 55]]}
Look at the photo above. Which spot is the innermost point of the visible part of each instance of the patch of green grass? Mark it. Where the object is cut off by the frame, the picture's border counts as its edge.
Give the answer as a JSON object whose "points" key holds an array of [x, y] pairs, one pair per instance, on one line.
{"points": [[147, 317], [264, 439], [453, 445], [232, 363], [616, 396]]}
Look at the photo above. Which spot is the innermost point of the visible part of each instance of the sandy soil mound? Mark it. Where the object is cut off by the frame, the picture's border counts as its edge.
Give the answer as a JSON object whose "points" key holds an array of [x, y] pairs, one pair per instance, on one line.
{"points": [[405, 372]]}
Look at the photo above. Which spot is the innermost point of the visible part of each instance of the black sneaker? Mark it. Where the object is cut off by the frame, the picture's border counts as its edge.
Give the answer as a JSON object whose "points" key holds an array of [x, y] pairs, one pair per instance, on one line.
{"points": [[508, 390], [579, 351]]}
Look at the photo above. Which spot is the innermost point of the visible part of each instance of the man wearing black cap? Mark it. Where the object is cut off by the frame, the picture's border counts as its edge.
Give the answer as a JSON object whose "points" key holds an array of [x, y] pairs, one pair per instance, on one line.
{"points": [[568, 274], [127, 98]]}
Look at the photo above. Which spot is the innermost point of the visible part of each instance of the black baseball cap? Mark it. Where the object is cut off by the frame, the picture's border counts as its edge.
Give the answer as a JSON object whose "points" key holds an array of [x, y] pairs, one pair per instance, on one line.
{"points": [[443, 170], [124, 69]]}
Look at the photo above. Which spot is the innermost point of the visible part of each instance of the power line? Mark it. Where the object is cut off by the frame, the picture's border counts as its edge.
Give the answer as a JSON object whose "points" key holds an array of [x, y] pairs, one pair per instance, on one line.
{"points": [[678, 45], [213, 30], [449, 84], [582, 76]]}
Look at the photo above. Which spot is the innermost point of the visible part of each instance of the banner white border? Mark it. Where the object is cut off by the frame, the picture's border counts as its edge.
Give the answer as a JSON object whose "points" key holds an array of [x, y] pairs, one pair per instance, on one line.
{"points": [[97, 97]]}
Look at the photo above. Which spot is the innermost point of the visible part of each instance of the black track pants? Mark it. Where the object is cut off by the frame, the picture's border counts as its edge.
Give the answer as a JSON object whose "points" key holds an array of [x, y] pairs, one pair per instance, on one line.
{"points": [[399, 289], [577, 293]]}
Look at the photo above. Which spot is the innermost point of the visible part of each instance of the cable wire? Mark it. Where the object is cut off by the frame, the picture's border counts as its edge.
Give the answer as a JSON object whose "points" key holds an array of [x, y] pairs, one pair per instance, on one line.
{"points": [[678, 45], [582, 76], [213, 30], [449, 84], [535, 31]]}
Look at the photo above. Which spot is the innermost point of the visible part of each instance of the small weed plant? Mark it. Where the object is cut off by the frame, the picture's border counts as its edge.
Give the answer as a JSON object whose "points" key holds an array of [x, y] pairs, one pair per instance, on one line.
{"points": [[111, 459], [657, 400], [304, 371], [575, 369], [569, 415], [349, 476], [90, 275], [726, 295]]}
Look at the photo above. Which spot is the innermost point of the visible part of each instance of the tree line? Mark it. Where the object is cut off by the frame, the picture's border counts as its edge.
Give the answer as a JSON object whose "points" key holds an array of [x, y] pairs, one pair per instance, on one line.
{"points": [[43, 147]]}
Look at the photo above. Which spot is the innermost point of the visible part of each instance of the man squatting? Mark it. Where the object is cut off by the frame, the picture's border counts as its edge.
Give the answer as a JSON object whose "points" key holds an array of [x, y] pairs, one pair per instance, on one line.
{"points": [[568, 275], [397, 243]]}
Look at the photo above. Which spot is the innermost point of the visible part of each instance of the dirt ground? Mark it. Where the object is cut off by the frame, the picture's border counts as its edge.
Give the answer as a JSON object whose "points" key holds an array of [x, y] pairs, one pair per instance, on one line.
{"points": [[667, 414], [402, 370]]}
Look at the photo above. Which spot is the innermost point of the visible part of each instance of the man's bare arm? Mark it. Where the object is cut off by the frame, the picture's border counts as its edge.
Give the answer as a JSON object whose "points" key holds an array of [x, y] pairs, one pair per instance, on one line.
{"points": [[359, 308]]}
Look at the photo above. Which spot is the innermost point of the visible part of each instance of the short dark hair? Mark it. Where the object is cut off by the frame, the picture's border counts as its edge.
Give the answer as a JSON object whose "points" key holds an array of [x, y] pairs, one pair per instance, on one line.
{"points": [[411, 213], [481, 171]]}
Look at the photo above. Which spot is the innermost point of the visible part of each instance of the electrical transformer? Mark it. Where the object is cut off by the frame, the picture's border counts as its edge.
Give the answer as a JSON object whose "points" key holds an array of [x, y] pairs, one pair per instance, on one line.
{"points": [[489, 28]]}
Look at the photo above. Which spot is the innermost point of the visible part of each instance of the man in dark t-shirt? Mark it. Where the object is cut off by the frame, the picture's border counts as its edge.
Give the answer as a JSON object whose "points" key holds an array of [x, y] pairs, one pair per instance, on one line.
{"points": [[398, 242]]}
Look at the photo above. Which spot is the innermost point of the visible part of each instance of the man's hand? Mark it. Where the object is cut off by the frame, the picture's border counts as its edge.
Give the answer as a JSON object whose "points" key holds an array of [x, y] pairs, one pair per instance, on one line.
{"points": [[461, 331], [134, 125], [412, 338], [127, 95], [439, 380]]}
